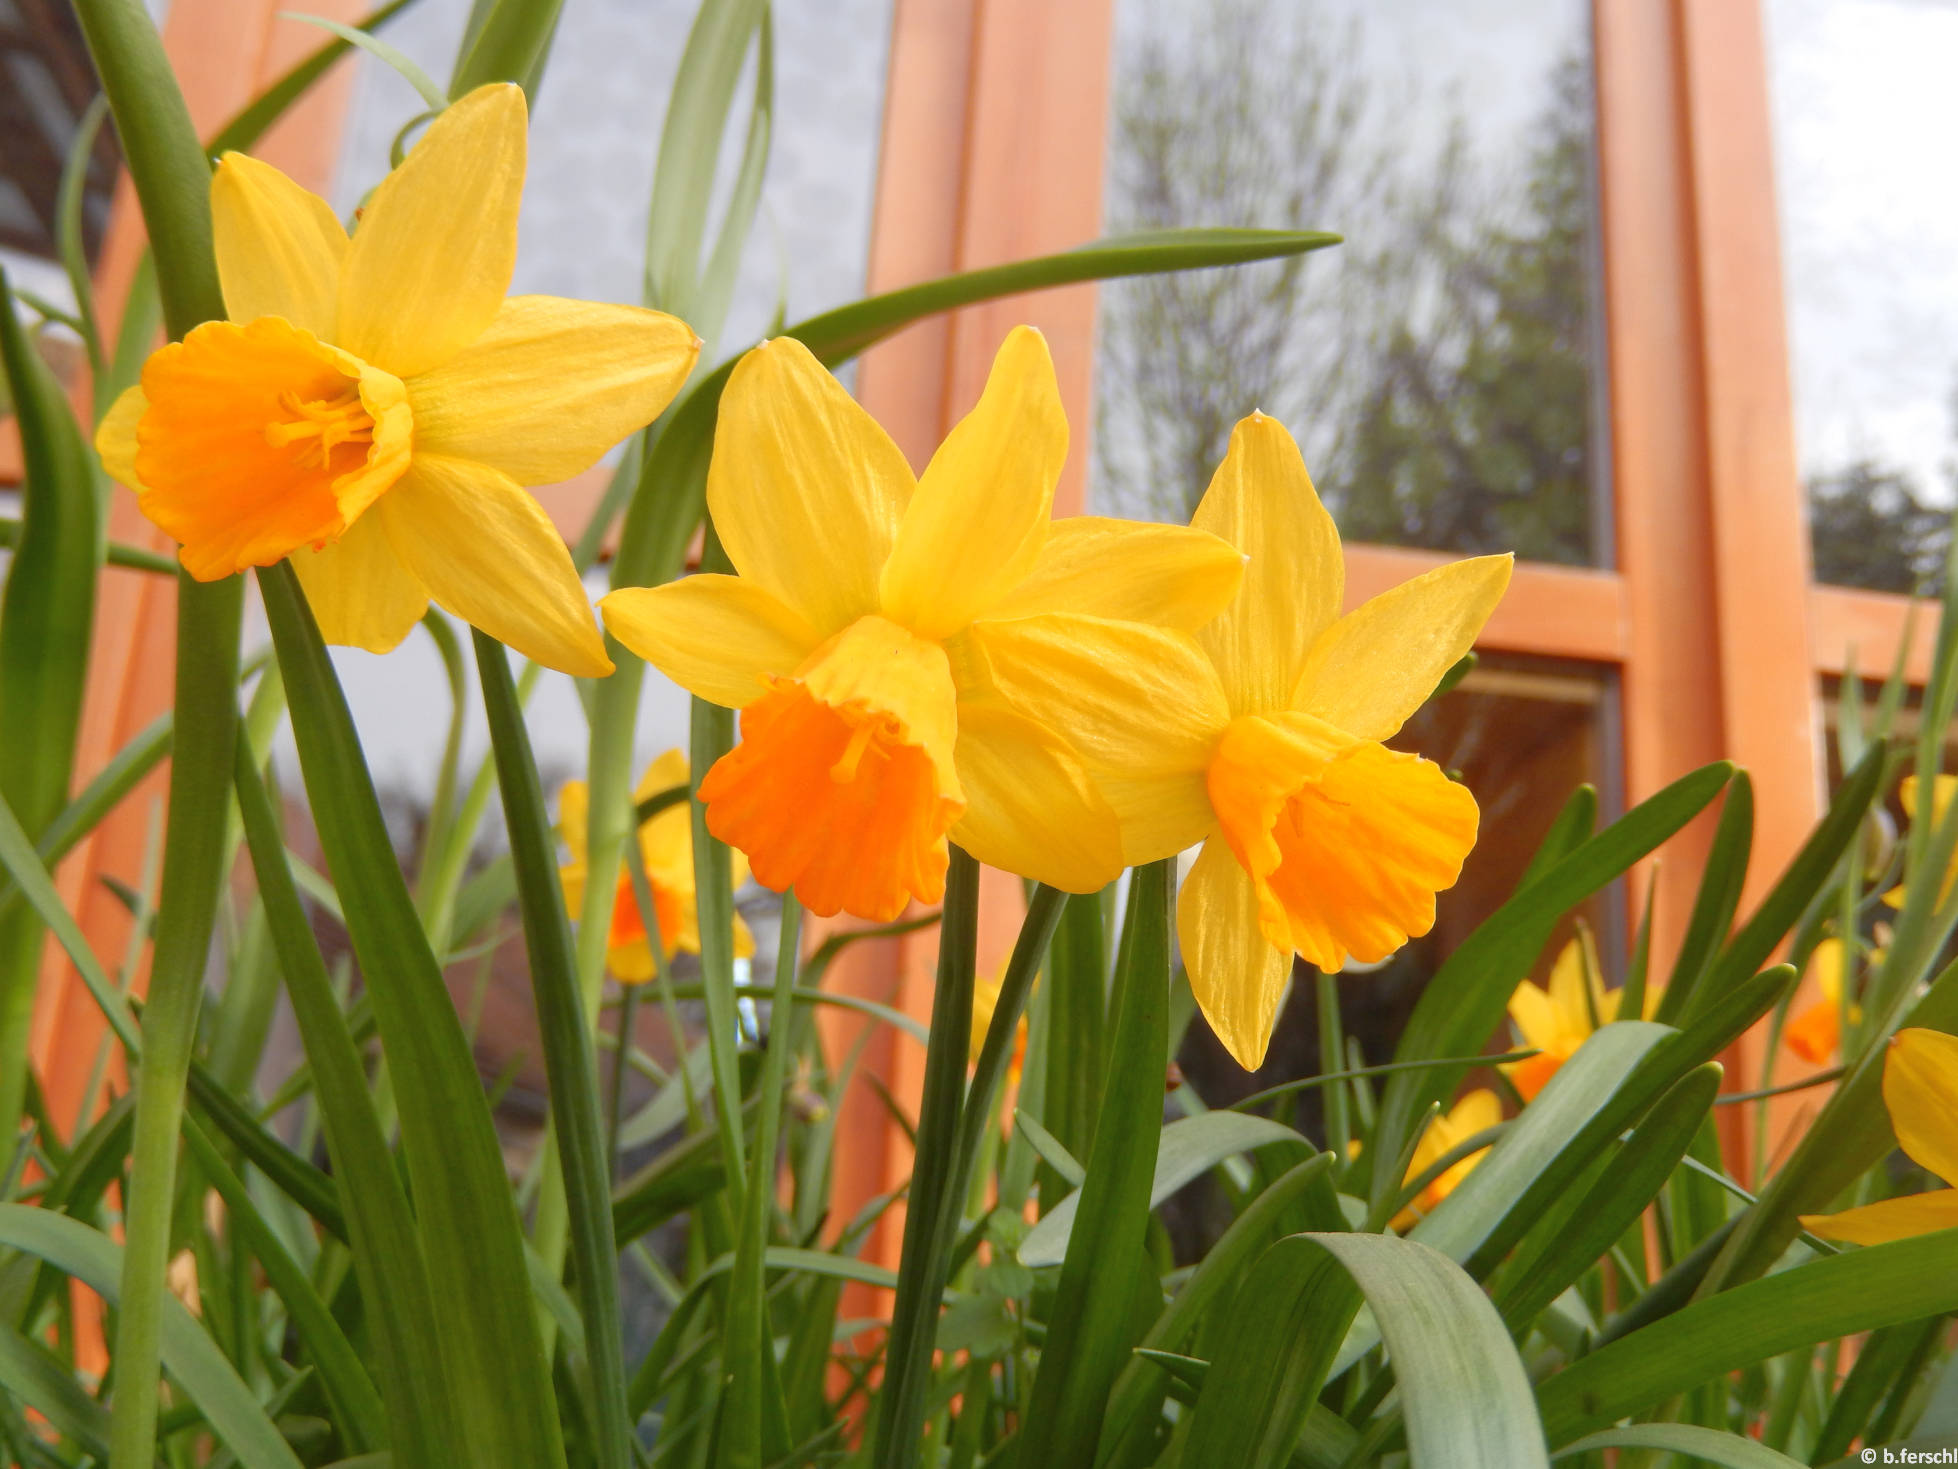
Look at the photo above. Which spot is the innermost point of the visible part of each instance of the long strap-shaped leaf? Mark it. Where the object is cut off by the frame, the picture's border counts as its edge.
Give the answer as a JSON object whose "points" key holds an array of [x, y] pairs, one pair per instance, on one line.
{"points": [[45, 616], [387, 1255], [1464, 1395], [568, 1062], [172, 182], [468, 1223], [187, 1349], [1107, 1269], [1861, 1290], [1464, 1002]]}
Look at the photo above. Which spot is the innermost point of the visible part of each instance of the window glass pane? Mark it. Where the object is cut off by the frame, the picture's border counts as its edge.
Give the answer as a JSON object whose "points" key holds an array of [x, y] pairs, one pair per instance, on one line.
{"points": [[1439, 368], [1864, 113]]}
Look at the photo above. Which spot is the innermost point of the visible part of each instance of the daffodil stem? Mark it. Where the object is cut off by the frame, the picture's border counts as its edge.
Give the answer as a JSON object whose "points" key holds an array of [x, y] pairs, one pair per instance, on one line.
{"points": [[208, 621], [914, 1317], [569, 1062], [712, 735]]}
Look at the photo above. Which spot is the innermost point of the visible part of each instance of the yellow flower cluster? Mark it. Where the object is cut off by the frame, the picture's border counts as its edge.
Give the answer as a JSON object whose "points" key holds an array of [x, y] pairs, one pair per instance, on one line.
{"points": [[918, 659]]}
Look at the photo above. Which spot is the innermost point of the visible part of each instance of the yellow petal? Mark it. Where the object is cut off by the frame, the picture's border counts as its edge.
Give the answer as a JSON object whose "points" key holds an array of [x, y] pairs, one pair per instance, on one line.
{"points": [[279, 247], [979, 517], [1133, 700], [1941, 791], [488, 553], [360, 593], [1161, 815], [573, 813], [1920, 1087], [715, 636], [1261, 500], [1166, 575], [1878, 1224], [1030, 807], [1378, 664], [431, 260], [805, 488], [1236, 975], [115, 436], [551, 385], [1826, 963]]}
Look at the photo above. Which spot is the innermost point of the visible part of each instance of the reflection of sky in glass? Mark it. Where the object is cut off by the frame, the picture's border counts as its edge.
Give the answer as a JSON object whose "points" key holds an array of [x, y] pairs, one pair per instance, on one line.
{"points": [[1865, 113], [1451, 105], [594, 137]]}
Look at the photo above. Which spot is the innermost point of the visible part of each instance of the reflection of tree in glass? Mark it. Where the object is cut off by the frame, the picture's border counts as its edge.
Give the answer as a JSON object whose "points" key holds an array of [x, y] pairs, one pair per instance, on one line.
{"points": [[1438, 371], [1870, 528]]}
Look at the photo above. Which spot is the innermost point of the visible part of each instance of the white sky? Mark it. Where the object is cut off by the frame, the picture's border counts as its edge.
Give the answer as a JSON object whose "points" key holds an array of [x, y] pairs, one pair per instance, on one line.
{"points": [[1866, 109]]}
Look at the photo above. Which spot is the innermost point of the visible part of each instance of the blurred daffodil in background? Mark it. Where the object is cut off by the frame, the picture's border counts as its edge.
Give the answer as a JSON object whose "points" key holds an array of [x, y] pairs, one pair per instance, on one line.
{"points": [[1476, 1112], [1262, 739], [1815, 1032], [1920, 1088], [1558, 1018], [874, 617], [666, 846], [374, 404], [986, 986], [1943, 787]]}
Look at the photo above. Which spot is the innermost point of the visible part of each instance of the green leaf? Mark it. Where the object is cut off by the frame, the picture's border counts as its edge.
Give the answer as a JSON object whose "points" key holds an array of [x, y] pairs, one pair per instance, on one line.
{"points": [[387, 1254], [406, 69], [1465, 1001], [44, 1383], [697, 115], [1792, 893], [1463, 1392], [1107, 1269], [1582, 1227], [1137, 1397], [510, 46], [683, 1175], [357, 1406], [165, 160], [471, 1239], [1860, 1290], [1186, 1150], [1719, 895], [569, 1065], [908, 1353], [47, 611], [1076, 1017], [1706, 1445], [1577, 1094], [192, 1357]]}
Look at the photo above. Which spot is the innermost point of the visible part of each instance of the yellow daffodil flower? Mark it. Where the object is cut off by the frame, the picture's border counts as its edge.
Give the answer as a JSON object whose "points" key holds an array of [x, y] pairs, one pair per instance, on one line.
{"points": [[373, 405], [1262, 739], [1560, 1017], [1943, 787], [1815, 1032], [1476, 1112], [666, 844], [873, 618], [1920, 1087]]}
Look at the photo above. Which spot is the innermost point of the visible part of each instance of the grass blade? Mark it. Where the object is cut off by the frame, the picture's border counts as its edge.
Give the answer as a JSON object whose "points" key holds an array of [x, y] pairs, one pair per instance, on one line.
{"points": [[1093, 1325], [569, 1065], [471, 1238]]}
